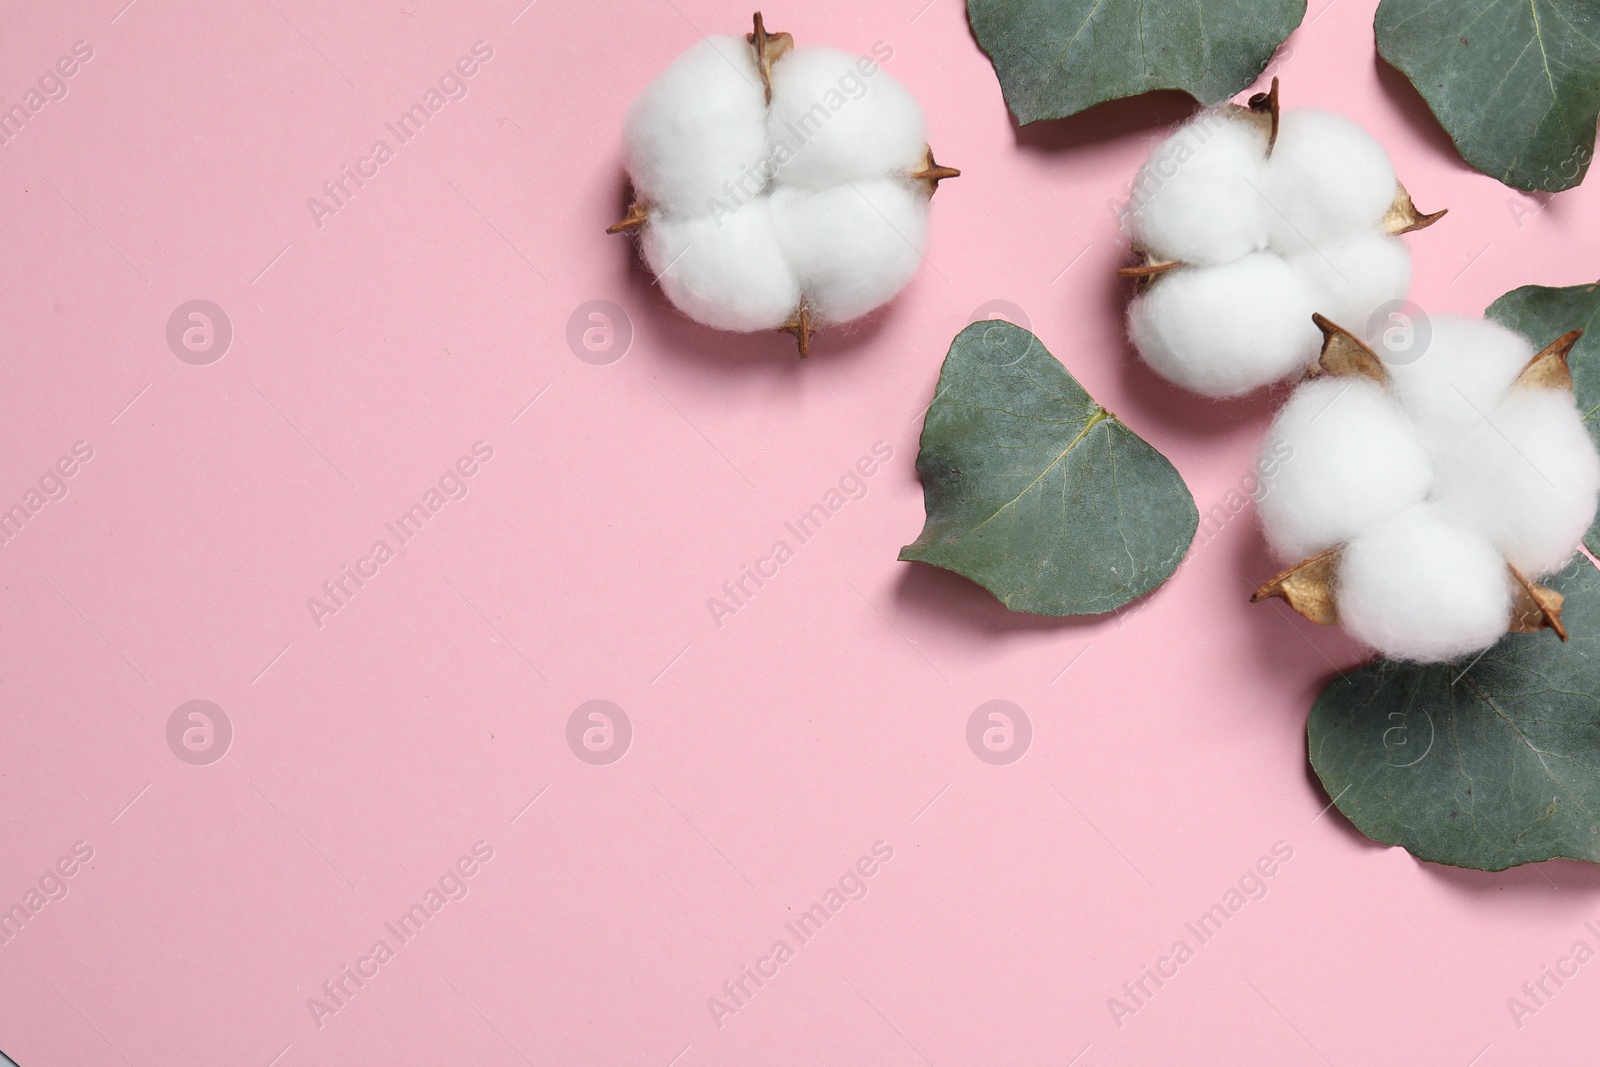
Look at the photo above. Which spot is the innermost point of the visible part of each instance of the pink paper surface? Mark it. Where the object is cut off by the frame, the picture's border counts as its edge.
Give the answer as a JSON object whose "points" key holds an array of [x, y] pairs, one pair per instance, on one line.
{"points": [[373, 748]]}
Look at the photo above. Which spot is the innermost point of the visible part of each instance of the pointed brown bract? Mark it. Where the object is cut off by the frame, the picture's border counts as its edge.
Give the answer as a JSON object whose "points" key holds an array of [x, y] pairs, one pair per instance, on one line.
{"points": [[802, 326], [1402, 216], [770, 47], [1148, 269], [1307, 587], [1344, 354], [1549, 370], [1533, 607], [931, 173], [636, 217], [1267, 104]]}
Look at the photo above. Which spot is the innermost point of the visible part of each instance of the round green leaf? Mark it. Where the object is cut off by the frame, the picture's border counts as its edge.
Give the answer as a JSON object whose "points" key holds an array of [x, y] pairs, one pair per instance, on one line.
{"points": [[1036, 492], [1057, 57], [1541, 315], [1487, 767], [1516, 83]]}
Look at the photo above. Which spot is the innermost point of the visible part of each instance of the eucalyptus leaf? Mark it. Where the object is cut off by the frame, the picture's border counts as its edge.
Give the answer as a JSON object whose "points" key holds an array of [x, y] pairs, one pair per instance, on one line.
{"points": [[1488, 766], [1036, 492], [1058, 57], [1516, 83], [1541, 315]]}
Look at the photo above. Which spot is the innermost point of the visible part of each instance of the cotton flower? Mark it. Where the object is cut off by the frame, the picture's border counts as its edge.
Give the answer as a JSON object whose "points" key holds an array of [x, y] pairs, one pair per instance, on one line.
{"points": [[1248, 221], [778, 188], [1426, 498]]}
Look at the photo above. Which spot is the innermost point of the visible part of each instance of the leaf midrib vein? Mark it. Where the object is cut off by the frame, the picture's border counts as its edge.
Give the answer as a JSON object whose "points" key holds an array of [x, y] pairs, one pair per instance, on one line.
{"points": [[1538, 752], [1100, 415]]}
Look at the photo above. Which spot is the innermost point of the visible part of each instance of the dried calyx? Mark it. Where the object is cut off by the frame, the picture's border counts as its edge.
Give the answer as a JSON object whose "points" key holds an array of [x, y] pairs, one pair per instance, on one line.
{"points": [[824, 261], [1310, 587]]}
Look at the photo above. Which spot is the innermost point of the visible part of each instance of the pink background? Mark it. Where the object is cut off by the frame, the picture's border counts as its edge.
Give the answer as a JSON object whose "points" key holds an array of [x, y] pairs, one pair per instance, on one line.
{"points": [[768, 754]]}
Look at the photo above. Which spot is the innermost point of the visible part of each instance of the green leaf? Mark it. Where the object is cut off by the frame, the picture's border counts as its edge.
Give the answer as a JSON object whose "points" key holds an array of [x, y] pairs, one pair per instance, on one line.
{"points": [[1058, 57], [1489, 767], [1036, 492], [1542, 315], [1516, 83]]}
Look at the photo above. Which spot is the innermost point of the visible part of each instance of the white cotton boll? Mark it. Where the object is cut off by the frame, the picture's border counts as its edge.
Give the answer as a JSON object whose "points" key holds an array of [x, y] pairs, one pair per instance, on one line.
{"points": [[1227, 329], [1349, 282], [853, 246], [728, 271], [1527, 479], [1198, 199], [1422, 587], [1347, 460], [700, 124], [832, 123], [1449, 384], [1328, 181]]}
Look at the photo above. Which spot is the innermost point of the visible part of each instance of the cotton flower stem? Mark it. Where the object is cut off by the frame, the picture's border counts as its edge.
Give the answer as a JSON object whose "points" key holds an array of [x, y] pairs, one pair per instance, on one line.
{"points": [[1534, 607], [1150, 268], [1307, 587], [802, 326], [770, 47], [931, 173], [637, 216]]}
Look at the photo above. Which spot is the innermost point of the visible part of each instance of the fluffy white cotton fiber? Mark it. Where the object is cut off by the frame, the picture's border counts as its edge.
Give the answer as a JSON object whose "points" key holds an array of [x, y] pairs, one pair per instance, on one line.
{"points": [[1430, 484], [1213, 196], [1198, 198], [856, 245], [752, 209], [840, 125], [1448, 381], [1354, 460], [701, 123], [1226, 329], [1353, 279], [1327, 181], [1527, 479], [729, 273], [1419, 586]]}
